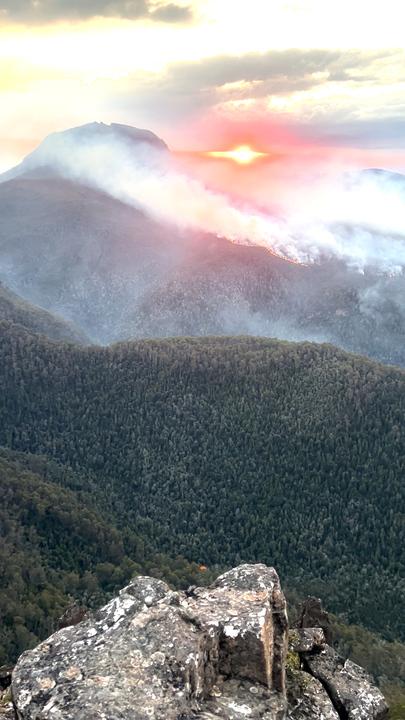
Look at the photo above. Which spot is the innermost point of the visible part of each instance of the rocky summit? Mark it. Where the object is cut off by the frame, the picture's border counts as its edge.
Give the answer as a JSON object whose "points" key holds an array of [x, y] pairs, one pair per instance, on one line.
{"points": [[219, 652]]}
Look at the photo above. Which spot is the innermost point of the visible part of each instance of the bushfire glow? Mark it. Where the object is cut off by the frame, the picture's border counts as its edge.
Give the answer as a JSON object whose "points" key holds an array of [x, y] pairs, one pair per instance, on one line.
{"points": [[313, 224]]}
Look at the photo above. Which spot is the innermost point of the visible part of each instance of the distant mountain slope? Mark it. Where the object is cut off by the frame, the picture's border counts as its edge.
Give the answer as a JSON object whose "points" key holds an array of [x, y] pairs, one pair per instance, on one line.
{"points": [[224, 450], [386, 176], [244, 290], [80, 253], [16, 310], [117, 273]]}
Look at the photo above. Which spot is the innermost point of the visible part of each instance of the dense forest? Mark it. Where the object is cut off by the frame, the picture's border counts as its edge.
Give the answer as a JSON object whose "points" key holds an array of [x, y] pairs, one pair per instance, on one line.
{"points": [[57, 551], [178, 458], [224, 450]]}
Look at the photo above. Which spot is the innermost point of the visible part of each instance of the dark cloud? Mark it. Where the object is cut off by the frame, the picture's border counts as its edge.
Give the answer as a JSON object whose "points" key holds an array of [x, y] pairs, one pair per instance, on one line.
{"points": [[190, 90], [194, 86], [39, 11], [172, 13], [284, 66]]}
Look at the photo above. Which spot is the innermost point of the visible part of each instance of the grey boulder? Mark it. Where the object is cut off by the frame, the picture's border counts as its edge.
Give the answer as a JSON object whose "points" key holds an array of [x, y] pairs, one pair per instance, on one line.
{"points": [[307, 699], [302, 640], [153, 653], [348, 685]]}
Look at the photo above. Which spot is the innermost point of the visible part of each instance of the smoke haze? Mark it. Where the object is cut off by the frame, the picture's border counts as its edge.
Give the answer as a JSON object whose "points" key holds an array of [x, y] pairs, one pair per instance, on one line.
{"points": [[357, 218]]}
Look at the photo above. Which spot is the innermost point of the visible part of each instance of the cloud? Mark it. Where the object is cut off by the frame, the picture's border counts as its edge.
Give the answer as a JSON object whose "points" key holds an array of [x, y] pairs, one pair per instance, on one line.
{"points": [[290, 65], [172, 13], [44, 11], [337, 97], [281, 72]]}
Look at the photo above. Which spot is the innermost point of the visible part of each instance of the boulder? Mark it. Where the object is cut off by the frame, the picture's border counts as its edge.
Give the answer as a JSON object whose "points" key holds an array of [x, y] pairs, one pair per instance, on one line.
{"points": [[307, 699], [154, 653], [241, 700], [349, 686], [247, 603], [312, 615], [301, 640]]}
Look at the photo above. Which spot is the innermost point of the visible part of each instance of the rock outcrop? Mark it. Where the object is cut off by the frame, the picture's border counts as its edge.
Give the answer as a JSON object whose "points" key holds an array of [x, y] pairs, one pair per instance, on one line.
{"points": [[6, 706], [307, 699], [208, 653], [313, 615], [348, 685]]}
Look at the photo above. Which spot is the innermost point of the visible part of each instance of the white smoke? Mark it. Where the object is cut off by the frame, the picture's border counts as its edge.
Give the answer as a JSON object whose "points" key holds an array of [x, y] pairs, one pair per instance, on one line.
{"points": [[358, 220]]}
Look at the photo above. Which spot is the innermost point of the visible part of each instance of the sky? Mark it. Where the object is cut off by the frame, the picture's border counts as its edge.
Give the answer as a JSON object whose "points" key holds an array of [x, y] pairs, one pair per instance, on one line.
{"points": [[319, 77]]}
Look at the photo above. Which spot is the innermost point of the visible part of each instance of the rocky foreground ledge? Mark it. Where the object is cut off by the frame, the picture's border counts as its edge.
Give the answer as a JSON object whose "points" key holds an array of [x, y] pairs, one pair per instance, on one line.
{"points": [[218, 652]]}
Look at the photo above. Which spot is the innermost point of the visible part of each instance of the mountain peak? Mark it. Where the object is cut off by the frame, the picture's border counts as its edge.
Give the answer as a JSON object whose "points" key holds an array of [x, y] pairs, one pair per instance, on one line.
{"points": [[45, 158], [95, 130]]}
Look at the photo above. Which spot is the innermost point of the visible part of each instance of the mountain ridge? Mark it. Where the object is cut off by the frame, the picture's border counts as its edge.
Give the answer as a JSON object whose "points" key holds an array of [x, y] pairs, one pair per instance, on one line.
{"points": [[18, 311], [118, 273], [210, 440]]}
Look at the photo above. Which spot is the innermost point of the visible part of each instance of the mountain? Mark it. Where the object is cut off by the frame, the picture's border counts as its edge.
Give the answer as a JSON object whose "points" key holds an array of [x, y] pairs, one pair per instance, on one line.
{"points": [[394, 179], [117, 273], [75, 250], [229, 449], [244, 290], [79, 253], [16, 310], [45, 160]]}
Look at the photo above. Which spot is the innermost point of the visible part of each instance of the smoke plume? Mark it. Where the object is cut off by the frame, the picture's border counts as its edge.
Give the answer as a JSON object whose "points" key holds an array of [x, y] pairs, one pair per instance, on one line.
{"points": [[359, 219]]}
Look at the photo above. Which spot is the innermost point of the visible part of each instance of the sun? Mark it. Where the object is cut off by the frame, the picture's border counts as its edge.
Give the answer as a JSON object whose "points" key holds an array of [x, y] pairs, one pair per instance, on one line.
{"points": [[243, 154]]}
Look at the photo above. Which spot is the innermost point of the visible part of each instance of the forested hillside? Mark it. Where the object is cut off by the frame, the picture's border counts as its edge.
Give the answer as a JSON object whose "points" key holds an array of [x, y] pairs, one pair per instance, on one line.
{"points": [[57, 549], [224, 450], [15, 310]]}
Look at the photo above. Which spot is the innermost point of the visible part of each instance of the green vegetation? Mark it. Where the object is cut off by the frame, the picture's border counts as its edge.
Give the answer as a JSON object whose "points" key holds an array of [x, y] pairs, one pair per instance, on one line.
{"points": [[219, 450], [55, 549], [15, 310], [223, 450], [395, 695]]}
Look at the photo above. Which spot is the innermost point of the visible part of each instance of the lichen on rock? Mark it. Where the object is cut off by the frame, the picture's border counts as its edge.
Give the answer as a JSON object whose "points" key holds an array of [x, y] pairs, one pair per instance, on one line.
{"points": [[349, 686], [216, 652]]}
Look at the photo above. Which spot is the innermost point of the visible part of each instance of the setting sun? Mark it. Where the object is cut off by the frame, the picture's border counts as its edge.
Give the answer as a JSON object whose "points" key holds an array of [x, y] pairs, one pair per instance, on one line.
{"points": [[243, 154]]}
